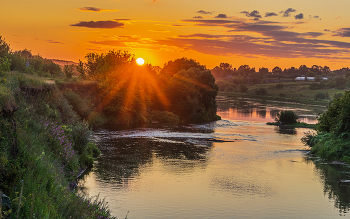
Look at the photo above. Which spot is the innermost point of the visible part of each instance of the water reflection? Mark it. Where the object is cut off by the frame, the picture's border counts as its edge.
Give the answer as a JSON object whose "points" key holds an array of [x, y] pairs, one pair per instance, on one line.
{"points": [[336, 180], [124, 153], [264, 111], [285, 130]]}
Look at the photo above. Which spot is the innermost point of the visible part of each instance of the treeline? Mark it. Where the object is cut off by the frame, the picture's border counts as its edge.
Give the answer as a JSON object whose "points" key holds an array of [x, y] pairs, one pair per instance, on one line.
{"points": [[131, 93], [225, 70]]}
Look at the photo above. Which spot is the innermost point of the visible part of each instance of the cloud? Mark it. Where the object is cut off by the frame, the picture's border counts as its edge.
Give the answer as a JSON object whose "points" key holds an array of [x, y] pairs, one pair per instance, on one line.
{"points": [[94, 9], [99, 24], [53, 41], [210, 22], [204, 12], [197, 17], [315, 17], [270, 14], [342, 32], [287, 12], [276, 40], [299, 16], [255, 14], [221, 16], [159, 31], [327, 30]]}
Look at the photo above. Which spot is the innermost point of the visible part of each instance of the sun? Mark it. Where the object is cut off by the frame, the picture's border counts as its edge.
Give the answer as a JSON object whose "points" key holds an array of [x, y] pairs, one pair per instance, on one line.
{"points": [[140, 61]]}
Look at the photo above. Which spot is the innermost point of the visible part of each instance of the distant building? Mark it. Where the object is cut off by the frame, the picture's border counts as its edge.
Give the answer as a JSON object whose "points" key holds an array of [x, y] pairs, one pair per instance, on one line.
{"points": [[303, 78], [308, 78]]}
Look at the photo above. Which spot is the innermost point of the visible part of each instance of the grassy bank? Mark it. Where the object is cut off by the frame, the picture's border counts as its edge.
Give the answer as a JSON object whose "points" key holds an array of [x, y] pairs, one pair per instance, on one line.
{"points": [[44, 145], [299, 92]]}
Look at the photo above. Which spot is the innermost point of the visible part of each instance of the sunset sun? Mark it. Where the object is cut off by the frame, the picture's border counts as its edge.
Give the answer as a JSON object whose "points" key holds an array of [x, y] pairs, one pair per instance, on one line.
{"points": [[140, 61]]}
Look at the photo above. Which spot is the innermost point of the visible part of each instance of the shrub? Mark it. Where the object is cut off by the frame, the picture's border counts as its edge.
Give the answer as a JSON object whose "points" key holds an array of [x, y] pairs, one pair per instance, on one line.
{"points": [[337, 95], [81, 136], [279, 86], [321, 96], [242, 88], [287, 117], [317, 86], [261, 91]]}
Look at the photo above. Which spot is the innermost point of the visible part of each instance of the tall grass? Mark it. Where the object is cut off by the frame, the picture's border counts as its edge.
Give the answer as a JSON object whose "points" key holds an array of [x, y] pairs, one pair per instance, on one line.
{"points": [[53, 147]]}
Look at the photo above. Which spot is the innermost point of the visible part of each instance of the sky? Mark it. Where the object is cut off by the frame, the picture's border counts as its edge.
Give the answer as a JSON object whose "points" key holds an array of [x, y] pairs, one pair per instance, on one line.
{"points": [[259, 33]]}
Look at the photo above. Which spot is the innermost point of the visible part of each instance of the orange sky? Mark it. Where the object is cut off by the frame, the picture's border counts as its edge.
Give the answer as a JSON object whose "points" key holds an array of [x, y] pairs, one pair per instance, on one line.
{"points": [[258, 33]]}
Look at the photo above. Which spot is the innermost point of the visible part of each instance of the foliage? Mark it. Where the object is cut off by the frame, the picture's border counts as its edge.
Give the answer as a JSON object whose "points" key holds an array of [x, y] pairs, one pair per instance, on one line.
{"points": [[287, 117], [279, 86], [321, 96], [337, 117], [226, 86], [69, 70], [52, 68], [5, 64], [46, 161], [261, 91], [242, 88], [81, 68], [173, 67]]}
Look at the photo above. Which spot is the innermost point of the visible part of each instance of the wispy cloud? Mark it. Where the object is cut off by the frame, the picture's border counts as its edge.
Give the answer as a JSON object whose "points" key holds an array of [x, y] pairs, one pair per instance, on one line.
{"points": [[54, 41], [204, 12], [94, 9]]}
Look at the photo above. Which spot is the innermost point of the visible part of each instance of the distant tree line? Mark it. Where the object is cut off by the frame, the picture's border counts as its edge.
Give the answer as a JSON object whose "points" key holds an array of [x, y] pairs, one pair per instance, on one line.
{"points": [[225, 70]]}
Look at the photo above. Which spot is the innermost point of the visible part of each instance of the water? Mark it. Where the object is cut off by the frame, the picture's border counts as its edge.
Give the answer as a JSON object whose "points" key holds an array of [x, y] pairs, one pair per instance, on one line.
{"points": [[238, 167]]}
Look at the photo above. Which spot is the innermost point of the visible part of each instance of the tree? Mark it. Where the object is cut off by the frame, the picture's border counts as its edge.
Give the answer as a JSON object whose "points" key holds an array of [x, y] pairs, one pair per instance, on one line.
{"points": [[337, 117], [81, 68], [4, 47], [276, 70], [69, 70], [173, 67], [244, 69], [263, 70], [287, 117], [225, 66], [303, 69], [52, 68]]}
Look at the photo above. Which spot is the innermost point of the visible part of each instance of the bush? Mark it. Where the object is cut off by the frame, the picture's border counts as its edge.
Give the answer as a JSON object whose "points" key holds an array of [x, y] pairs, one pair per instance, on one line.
{"points": [[321, 96], [261, 91], [287, 117], [317, 86], [337, 95], [279, 86], [242, 88], [81, 136]]}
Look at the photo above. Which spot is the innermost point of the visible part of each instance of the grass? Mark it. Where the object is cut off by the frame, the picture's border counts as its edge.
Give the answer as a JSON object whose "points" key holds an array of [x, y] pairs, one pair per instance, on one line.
{"points": [[292, 91], [295, 125], [53, 147]]}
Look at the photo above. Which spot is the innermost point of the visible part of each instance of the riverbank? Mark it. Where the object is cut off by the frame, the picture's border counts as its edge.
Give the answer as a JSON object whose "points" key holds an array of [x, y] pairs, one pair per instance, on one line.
{"points": [[44, 144], [298, 92]]}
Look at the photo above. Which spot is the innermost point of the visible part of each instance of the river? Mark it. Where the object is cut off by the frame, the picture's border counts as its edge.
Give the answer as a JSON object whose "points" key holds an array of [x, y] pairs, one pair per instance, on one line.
{"points": [[237, 167]]}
